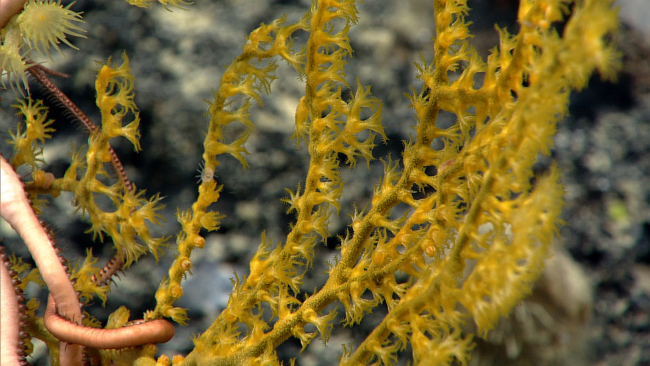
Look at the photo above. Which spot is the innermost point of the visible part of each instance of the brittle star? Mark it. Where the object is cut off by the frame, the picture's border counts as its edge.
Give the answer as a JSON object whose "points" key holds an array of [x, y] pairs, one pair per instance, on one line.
{"points": [[63, 315]]}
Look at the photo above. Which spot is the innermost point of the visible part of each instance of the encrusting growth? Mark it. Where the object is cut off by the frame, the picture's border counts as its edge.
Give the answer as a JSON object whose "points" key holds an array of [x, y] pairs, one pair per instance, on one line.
{"points": [[473, 242]]}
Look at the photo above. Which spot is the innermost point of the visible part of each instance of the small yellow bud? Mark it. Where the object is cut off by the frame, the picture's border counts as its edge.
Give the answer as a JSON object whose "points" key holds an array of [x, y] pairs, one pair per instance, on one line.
{"points": [[198, 242], [163, 361], [177, 359], [186, 264], [176, 291], [42, 179]]}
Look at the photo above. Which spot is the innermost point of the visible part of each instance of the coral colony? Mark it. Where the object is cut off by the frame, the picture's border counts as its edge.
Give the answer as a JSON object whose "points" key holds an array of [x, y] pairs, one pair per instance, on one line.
{"points": [[480, 177]]}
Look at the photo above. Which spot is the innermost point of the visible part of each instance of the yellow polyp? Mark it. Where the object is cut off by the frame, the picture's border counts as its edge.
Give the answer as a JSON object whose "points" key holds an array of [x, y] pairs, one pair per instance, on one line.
{"points": [[45, 24], [310, 315], [150, 348], [105, 156], [419, 342], [177, 359], [283, 312], [176, 291], [269, 276], [253, 279], [168, 311], [430, 250], [210, 221], [265, 297], [230, 316], [163, 360], [42, 179], [198, 242], [378, 257], [186, 264], [356, 291], [468, 205]]}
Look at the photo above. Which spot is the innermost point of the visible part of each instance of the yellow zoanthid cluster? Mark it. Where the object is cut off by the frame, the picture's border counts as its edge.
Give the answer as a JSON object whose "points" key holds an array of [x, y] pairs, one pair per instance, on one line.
{"points": [[478, 230]]}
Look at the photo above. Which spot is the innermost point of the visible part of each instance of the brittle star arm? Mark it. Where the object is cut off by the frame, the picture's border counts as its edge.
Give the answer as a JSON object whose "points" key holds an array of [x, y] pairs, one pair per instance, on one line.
{"points": [[137, 333], [38, 72], [10, 354], [17, 211], [9, 8]]}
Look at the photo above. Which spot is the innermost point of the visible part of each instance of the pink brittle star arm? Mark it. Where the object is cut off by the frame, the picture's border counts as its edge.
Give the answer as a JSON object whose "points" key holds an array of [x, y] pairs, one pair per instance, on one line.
{"points": [[9, 8], [9, 315], [16, 210], [62, 321], [136, 334]]}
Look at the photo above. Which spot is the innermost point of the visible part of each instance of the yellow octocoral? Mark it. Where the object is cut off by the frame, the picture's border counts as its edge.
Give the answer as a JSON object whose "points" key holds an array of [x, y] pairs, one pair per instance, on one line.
{"points": [[477, 227]]}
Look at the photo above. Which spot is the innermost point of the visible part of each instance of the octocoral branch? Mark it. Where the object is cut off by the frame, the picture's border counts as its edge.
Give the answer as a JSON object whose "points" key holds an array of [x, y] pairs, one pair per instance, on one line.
{"points": [[456, 230]]}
